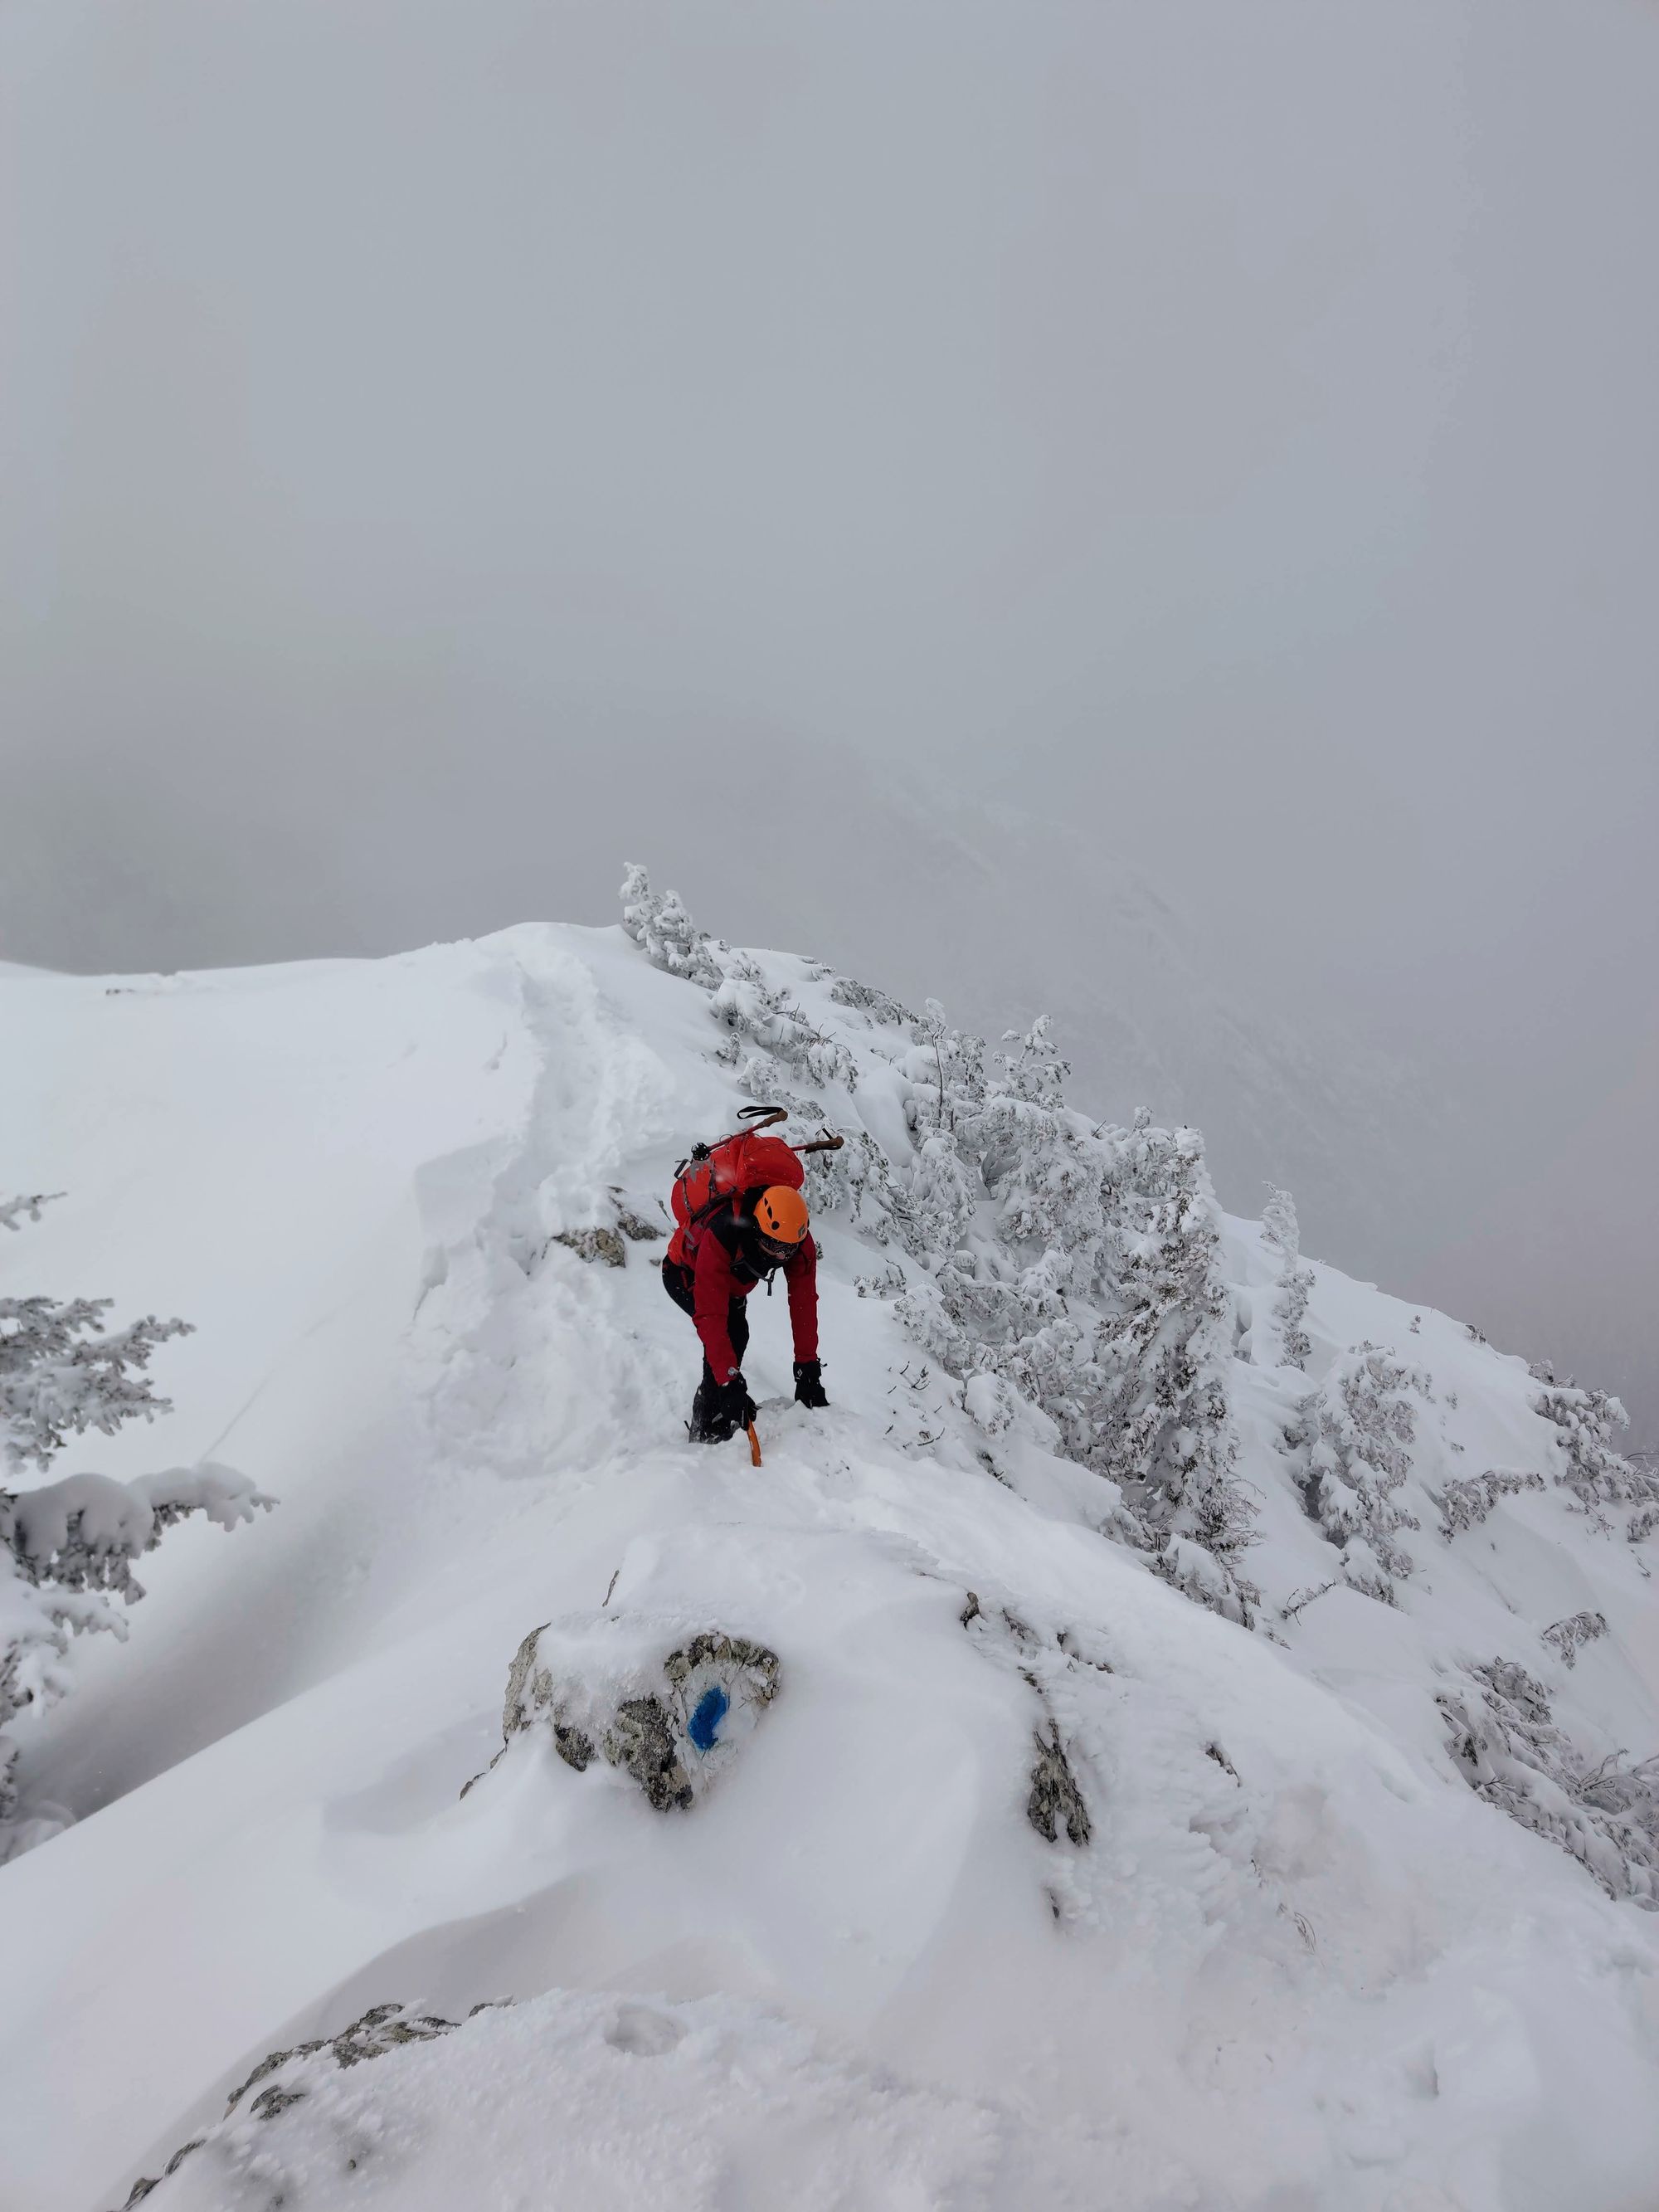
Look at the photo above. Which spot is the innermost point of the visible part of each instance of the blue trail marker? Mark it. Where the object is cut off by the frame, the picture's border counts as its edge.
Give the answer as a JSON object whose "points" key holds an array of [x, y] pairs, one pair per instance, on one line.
{"points": [[712, 1709]]}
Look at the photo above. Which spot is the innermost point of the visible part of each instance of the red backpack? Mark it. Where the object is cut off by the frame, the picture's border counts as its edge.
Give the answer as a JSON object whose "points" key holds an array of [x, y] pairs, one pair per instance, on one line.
{"points": [[716, 1173]]}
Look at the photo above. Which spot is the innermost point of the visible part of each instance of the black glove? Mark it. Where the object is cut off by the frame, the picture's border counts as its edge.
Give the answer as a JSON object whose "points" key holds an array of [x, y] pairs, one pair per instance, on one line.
{"points": [[809, 1384], [733, 1403], [719, 1410]]}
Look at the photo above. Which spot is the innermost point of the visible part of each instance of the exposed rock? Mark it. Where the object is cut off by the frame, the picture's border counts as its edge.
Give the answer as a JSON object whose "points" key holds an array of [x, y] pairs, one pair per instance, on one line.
{"points": [[639, 1228], [713, 1650], [1056, 1797], [1040, 1660], [641, 1741], [605, 1243], [380, 2029], [666, 1708], [573, 1746], [592, 1244]]}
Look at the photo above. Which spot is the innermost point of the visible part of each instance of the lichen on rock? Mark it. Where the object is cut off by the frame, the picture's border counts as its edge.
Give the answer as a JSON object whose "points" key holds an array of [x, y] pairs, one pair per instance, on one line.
{"points": [[592, 1244], [641, 1741]]}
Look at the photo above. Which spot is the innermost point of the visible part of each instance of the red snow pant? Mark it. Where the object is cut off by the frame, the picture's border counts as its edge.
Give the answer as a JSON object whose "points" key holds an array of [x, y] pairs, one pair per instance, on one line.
{"points": [[679, 1282]]}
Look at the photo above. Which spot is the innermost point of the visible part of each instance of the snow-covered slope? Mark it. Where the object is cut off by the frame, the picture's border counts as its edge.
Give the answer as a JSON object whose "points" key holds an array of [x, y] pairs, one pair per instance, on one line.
{"points": [[1274, 1952]]}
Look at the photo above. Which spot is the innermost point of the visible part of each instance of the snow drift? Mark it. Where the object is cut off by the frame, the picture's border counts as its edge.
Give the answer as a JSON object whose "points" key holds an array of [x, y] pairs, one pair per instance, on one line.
{"points": [[1183, 1712]]}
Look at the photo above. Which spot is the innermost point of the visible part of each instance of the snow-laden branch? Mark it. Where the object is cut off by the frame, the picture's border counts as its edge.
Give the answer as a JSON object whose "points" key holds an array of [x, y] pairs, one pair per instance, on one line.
{"points": [[14, 1212]]}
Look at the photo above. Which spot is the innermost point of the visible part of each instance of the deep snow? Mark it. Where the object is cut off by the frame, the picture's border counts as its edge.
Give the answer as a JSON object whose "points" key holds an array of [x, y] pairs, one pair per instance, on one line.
{"points": [[1298, 1966]]}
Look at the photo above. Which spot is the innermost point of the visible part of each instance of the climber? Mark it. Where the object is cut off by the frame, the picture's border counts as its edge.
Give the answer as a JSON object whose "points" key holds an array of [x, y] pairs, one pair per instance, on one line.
{"points": [[717, 1257]]}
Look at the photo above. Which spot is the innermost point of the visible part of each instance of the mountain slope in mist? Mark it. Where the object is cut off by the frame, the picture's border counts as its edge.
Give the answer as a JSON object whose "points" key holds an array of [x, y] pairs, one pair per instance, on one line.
{"points": [[1033, 1882]]}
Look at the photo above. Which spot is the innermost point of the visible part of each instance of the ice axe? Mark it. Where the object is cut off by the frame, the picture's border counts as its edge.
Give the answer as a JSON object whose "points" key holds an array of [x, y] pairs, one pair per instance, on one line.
{"points": [[764, 1117], [754, 1446]]}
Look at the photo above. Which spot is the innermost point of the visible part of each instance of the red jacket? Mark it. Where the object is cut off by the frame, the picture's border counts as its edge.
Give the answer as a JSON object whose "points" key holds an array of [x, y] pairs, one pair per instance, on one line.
{"points": [[720, 1274]]}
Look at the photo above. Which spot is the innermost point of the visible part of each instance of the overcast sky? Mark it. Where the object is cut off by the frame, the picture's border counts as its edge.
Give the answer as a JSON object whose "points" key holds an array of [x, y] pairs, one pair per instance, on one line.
{"points": [[447, 447]]}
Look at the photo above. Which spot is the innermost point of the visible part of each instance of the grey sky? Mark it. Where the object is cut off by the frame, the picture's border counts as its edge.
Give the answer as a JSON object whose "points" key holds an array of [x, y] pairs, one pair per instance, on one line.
{"points": [[445, 447]]}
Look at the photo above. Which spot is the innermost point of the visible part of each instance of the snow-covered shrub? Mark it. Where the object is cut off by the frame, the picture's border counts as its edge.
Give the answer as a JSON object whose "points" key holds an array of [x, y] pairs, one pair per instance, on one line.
{"points": [[659, 925], [1165, 1344], [1509, 1748], [1280, 1229], [1465, 1500], [1357, 1430], [878, 1006], [1568, 1638], [1589, 1464], [751, 1009], [14, 1212], [67, 1548]]}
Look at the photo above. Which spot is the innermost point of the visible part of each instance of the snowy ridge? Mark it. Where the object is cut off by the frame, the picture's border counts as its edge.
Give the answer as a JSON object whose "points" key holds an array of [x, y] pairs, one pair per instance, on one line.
{"points": [[1040, 1883]]}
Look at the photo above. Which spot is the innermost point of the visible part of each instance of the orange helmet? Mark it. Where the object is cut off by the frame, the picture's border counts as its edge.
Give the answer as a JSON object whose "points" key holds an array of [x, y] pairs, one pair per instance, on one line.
{"points": [[781, 1215]]}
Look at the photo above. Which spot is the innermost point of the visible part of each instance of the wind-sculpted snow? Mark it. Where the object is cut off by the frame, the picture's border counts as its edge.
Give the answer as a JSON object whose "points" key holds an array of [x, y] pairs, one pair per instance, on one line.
{"points": [[1037, 1882], [612, 2103]]}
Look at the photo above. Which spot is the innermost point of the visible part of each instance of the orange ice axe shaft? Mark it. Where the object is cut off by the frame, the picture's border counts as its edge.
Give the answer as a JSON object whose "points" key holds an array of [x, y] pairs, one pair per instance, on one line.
{"points": [[754, 1447]]}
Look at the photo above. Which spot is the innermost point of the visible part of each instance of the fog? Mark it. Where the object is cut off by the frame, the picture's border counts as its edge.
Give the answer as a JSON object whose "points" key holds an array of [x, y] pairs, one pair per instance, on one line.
{"points": [[1151, 510]]}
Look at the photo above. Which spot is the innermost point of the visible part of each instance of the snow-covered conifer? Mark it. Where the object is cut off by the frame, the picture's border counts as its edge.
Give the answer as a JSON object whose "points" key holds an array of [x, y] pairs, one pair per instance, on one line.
{"points": [[659, 925], [1289, 1309], [1046, 1178], [1357, 1430], [751, 1009], [67, 1547], [1509, 1749], [60, 1374], [1165, 1426], [1279, 1223], [1281, 1234]]}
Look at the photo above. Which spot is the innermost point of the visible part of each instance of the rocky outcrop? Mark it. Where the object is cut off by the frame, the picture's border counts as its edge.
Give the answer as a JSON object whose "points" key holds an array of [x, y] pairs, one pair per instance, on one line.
{"points": [[667, 1709], [1055, 1799], [290, 2076], [603, 1243]]}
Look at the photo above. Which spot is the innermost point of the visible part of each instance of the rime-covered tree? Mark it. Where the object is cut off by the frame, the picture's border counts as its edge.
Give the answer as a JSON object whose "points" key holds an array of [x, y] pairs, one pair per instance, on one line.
{"points": [[1356, 1433], [659, 925], [67, 1547], [1164, 1348], [1512, 1752], [1587, 1461], [1282, 1236], [62, 1374]]}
